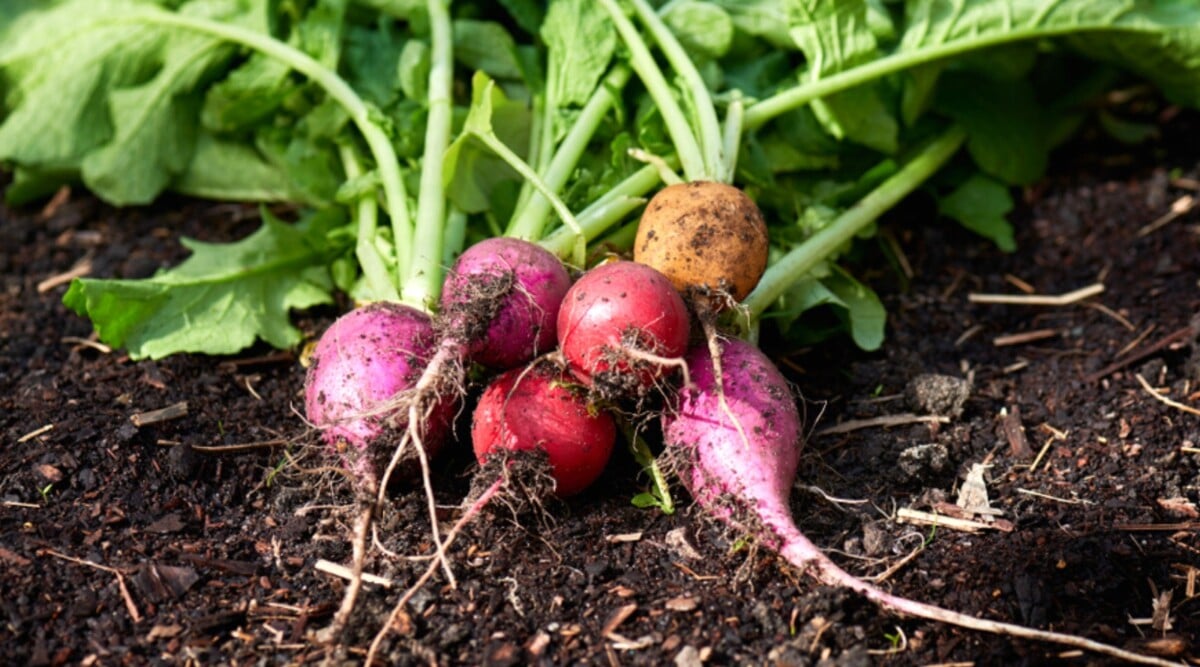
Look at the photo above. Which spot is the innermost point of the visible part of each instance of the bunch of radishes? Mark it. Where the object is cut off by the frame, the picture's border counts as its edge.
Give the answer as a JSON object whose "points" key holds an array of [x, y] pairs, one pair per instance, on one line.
{"points": [[386, 376]]}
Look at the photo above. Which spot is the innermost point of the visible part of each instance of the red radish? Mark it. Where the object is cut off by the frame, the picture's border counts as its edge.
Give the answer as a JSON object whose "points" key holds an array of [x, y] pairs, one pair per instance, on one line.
{"points": [[736, 445], [621, 326], [534, 409], [361, 363]]}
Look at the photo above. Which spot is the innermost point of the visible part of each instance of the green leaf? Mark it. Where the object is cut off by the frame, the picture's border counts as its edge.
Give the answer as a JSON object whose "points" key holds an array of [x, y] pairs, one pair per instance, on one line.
{"points": [[1126, 131], [219, 300], [233, 171], [1006, 127], [580, 42], [123, 97], [864, 312], [704, 29], [486, 46], [980, 204], [837, 36], [471, 172]]}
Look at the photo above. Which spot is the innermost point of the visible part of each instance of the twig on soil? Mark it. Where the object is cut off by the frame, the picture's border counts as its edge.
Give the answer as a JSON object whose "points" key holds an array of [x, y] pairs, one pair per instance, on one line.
{"points": [[1025, 337], [35, 433], [173, 411], [886, 420], [1057, 499], [897, 566], [1096, 305], [1163, 399], [1178, 207], [240, 447], [129, 604], [81, 269], [1167, 340], [1154, 527], [1067, 299], [87, 342], [347, 573], [918, 517]]}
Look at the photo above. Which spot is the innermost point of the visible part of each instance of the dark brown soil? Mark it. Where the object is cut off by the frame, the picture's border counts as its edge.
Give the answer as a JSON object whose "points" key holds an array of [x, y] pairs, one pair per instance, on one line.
{"points": [[122, 544]]}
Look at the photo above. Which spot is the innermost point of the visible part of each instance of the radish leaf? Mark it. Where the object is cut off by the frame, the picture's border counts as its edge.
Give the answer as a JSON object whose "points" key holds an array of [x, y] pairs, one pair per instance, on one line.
{"points": [[219, 300]]}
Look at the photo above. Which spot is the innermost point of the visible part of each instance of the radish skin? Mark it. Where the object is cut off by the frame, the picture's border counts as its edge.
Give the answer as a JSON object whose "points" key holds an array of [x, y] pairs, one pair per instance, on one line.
{"points": [[531, 409], [622, 326], [737, 445], [361, 363]]}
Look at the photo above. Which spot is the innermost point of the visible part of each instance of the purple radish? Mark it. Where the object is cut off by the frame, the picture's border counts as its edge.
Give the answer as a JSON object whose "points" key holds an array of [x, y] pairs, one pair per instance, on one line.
{"points": [[737, 447], [362, 362]]}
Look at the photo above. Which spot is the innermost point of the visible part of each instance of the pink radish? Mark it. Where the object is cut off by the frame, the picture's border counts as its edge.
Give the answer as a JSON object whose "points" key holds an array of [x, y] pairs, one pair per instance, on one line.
{"points": [[622, 326], [736, 445], [534, 409], [361, 363]]}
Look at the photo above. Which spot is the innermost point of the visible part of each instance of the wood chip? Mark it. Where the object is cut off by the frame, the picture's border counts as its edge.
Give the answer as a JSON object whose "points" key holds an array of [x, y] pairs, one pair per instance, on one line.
{"points": [[624, 537], [344, 572], [907, 515], [682, 603], [1014, 432], [35, 433], [168, 413], [617, 618]]}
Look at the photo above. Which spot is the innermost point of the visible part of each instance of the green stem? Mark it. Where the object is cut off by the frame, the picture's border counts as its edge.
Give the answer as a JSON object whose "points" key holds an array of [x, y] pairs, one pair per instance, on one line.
{"points": [[367, 213], [794, 98], [686, 143], [800, 260], [708, 130], [456, 235], [734, 118], [423, 283], [521, 167], [530, 221], [334, 86], [606, 211]]}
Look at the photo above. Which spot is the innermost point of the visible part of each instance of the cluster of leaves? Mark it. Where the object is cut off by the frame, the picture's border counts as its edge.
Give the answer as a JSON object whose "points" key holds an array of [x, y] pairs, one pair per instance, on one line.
{"points": [[135, 97]]}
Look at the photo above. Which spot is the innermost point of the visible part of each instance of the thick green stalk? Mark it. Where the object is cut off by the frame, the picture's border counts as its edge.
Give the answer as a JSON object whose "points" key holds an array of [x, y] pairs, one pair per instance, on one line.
{"points": [[708, 128], [686, 143], [794, 98], [366, 212], [797, 263], [334, 86], [530, 220], [423, 283]]}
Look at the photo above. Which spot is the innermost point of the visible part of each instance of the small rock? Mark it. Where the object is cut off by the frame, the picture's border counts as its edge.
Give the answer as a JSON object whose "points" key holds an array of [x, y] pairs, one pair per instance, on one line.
{"points": [[182, 461], [920, 460], [934, 394], [688, 656]]}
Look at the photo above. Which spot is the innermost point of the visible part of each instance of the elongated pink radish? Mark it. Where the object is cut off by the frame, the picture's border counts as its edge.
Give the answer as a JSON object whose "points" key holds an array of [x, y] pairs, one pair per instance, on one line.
{"points": [[736, 446], [622, 326], [535, 410]]}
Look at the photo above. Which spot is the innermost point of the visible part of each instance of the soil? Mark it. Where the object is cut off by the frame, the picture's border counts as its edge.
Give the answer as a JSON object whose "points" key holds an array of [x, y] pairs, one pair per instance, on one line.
{"points": [[196, 539]]}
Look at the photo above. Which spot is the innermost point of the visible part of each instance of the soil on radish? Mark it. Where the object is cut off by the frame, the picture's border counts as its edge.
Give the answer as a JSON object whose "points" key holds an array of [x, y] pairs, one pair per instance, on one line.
{"points": [[217, 550]]}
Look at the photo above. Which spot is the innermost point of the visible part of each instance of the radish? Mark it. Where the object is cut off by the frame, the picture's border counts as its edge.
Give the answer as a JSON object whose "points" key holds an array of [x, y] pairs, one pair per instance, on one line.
{"points": [[360, 364], [499, 307], [535, 409], [736, 446], [501, 300], [621, 326]]}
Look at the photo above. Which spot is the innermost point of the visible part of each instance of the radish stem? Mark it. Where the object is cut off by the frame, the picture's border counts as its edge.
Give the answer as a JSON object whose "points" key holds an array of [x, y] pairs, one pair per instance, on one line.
{"points": [[423, 282], [800, 260]]}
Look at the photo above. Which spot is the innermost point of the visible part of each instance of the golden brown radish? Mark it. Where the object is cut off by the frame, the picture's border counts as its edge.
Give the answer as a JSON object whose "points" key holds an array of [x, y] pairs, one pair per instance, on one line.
{"points": [[706, 237]]}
